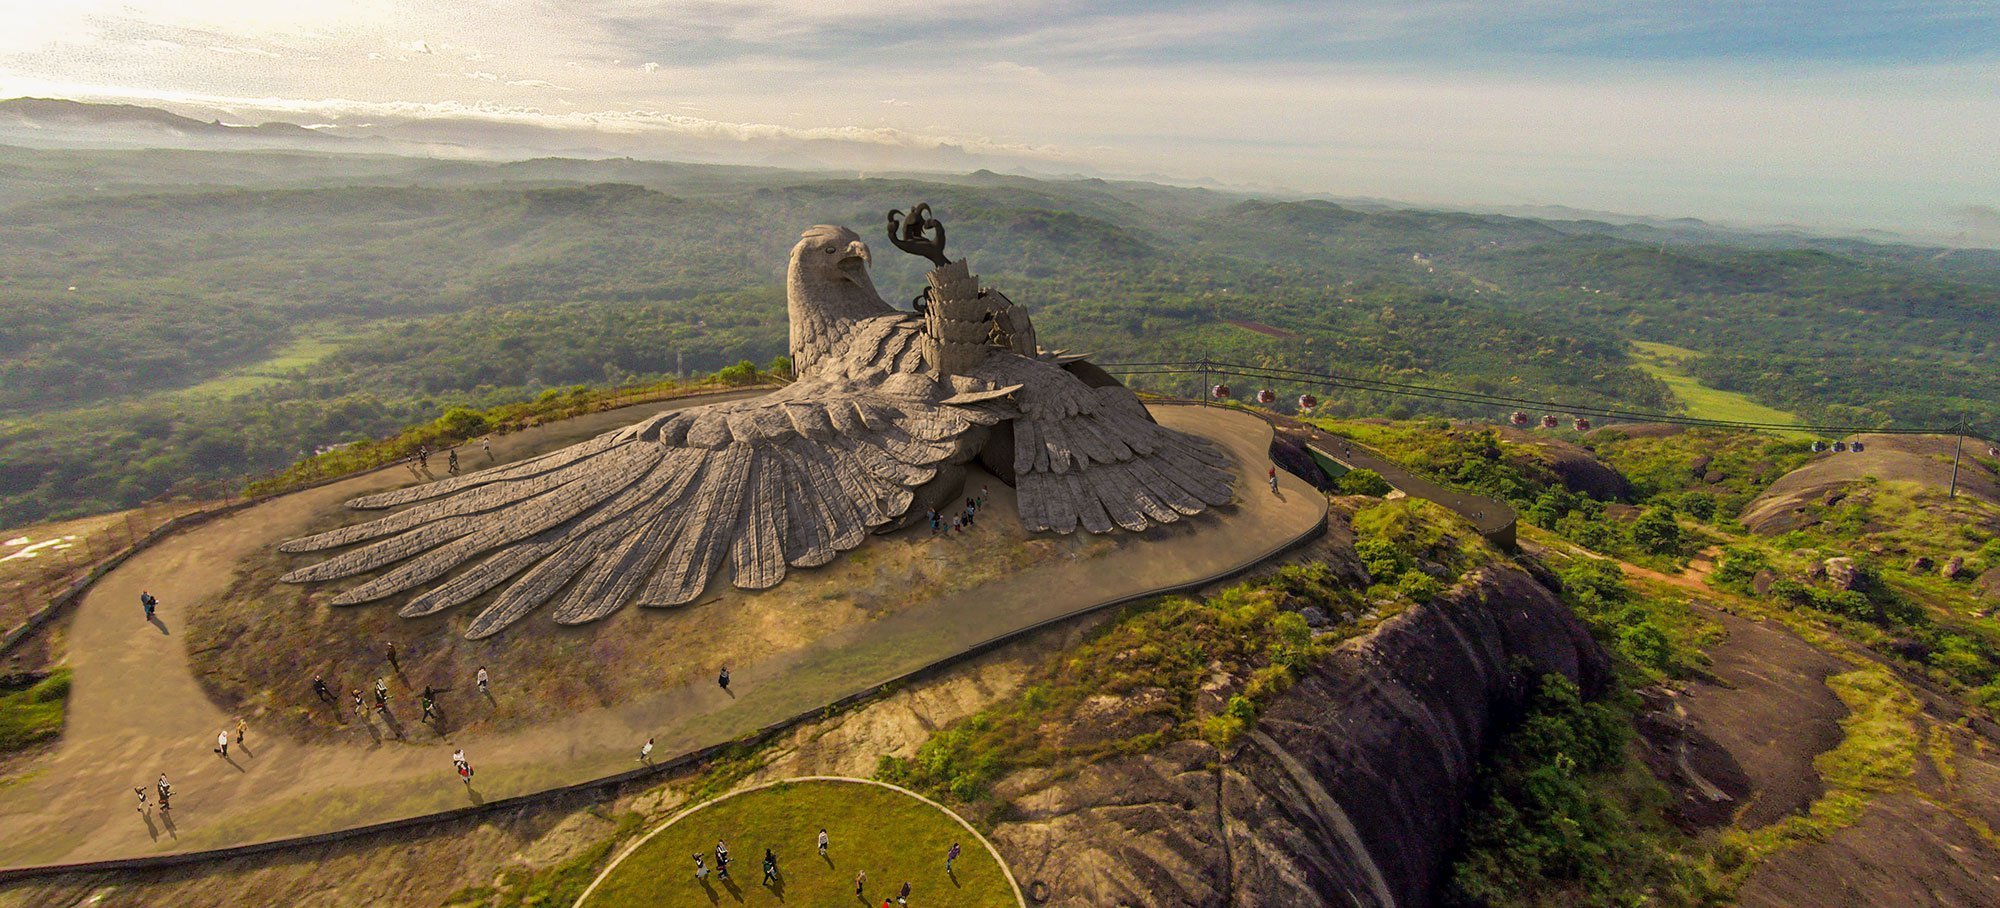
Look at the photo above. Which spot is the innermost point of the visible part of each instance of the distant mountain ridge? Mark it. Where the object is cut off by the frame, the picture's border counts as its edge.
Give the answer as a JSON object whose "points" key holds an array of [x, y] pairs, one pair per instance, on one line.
{"points": [[62, 119]]}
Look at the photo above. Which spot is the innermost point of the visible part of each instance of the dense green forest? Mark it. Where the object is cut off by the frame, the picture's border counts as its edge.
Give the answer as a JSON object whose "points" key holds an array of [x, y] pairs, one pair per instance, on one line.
{"points": [[170, 317]]}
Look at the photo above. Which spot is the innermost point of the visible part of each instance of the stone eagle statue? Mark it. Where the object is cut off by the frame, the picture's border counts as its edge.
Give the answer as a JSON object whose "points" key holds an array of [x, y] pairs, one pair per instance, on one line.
{"points": [[887, 408]]}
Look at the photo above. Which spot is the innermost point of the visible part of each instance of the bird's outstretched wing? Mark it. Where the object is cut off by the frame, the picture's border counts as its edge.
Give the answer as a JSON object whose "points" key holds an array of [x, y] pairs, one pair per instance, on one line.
{"points": [[648, 512], [1092, 457]]}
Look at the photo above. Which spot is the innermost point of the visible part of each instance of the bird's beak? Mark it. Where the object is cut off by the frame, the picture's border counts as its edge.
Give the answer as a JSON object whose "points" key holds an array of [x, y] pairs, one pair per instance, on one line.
{"points": [[855, 263]]}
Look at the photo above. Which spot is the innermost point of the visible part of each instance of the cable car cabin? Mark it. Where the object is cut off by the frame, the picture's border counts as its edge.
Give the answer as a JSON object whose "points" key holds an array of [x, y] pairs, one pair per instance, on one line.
{"points": [[1581, 424], [1219, 392], [1819, 446], [1548, 422], [1267, 397], [1854, 446], [1519, 418], [1840, 447], [1307, 401]]}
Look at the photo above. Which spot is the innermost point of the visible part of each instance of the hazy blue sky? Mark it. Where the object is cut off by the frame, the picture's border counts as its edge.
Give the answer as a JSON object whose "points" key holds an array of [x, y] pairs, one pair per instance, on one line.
{"points": [[1828, 112]]}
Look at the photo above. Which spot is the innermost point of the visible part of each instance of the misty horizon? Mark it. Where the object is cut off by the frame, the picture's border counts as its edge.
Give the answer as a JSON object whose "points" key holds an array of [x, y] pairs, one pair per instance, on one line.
{"points": [[1850, 117]]}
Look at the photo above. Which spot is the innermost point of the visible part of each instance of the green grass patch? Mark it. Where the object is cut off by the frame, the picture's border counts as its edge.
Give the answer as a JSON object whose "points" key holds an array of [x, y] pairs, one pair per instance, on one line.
{"points": [[893, 837], [33, 714], [1668, 363]]}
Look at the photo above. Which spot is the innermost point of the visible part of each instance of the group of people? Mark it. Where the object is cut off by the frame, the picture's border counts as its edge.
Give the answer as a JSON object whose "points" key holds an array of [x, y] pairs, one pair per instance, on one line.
{"points": [[961, 521], [420, 462], [902, 896]]}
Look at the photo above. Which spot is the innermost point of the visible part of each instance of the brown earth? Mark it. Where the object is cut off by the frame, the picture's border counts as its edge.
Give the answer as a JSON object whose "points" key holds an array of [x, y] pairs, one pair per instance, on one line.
{"points": [[426, 865], [1924, 459]]}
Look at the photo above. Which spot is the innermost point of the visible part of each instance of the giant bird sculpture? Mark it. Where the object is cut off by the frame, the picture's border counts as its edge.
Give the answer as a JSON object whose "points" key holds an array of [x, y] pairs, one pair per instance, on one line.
{"points": [[887, 407]]}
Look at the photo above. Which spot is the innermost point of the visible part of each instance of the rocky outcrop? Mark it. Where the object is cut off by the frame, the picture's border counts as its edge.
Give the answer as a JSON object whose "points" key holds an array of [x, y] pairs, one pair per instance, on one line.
{"points": [[1349, 790]]}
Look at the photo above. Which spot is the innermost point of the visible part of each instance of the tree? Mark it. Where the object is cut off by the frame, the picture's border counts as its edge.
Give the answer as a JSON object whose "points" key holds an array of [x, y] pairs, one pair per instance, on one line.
{"points": [[1656, 532]]}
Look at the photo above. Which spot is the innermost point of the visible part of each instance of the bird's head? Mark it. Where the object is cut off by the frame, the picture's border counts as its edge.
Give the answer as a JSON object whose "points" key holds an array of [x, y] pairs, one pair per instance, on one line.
{"points": [[833, 254]]}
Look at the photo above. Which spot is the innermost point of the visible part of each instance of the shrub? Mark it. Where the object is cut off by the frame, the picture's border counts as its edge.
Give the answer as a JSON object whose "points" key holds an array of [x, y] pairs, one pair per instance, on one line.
{"points": [[1362, 482], [743, 373], [1738, 566], [1656, 532]]}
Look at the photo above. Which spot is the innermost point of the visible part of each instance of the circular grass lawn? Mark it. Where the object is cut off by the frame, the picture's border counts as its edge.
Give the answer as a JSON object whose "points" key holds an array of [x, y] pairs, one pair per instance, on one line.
{"points": [[893, 835]]}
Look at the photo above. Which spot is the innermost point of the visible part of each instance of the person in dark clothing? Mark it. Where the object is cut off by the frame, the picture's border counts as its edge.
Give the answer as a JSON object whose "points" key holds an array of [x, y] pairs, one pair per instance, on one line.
{"points": [[320, 691], [429, 701], [452, 463], [770, 867], [723, 679]]}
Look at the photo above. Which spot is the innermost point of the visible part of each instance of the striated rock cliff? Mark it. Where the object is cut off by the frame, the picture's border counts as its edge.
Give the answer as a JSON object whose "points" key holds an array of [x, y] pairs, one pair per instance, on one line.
{"points": [[1348, 791]]}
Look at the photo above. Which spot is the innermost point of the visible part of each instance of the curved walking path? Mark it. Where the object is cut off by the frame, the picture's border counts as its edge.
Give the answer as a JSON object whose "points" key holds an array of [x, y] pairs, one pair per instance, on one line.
{"points": [[1493, 518], [136, 708], [633, 848]]}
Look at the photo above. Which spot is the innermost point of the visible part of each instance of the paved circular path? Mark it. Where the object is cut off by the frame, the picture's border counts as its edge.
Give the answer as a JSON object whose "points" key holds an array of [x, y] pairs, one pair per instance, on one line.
{"points": [[633, 848], [136, 709]]}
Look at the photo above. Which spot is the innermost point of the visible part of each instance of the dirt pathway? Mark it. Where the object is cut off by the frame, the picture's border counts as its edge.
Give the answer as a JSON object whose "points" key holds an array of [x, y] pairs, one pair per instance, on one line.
{"points": [[137, 710]]}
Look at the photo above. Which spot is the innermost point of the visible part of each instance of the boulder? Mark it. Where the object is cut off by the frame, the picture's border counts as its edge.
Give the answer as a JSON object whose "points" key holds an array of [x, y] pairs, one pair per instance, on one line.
{"points": [[1354, 782], [1316, 617], [1843, 573], [1763, 580], [1922, 564], [1955, 568]]}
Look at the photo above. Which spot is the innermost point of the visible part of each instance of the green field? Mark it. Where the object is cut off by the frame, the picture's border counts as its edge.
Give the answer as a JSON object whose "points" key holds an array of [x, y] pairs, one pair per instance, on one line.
{"points": [[893, 836], [1668, 363]]}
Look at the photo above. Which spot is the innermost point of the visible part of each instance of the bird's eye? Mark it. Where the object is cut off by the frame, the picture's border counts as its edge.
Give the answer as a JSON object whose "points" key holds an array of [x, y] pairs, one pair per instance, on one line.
{"points": [[830, 250]]}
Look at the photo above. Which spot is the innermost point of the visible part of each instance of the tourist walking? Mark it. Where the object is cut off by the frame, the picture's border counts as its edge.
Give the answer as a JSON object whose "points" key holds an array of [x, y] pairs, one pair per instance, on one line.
{"points": [[646, 751], [723, 679], [860, 880], [822, 843], [950, 858], [143, 806], [147, 602], [903, 897], [222, 742], [452, 464], [721, 860], [464, 766], [360, 705], [320, 691], [486, 447], [1273, 477], [700, 870], [392, 656], [481, 677], [166, 792], [241, 726], [429, 701], [770, 866]]}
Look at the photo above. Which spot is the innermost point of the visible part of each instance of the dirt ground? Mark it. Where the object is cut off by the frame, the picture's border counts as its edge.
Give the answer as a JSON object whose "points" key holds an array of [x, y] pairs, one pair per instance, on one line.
{"points": [[426, 866]]}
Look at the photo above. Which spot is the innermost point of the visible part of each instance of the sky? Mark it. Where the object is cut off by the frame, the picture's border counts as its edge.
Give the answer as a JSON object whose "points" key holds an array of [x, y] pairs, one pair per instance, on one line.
{"points": [[1837, 114]]}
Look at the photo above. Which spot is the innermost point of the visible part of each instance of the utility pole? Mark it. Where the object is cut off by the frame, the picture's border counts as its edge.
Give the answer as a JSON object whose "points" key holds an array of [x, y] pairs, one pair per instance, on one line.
{"points": [[1955, 452]]}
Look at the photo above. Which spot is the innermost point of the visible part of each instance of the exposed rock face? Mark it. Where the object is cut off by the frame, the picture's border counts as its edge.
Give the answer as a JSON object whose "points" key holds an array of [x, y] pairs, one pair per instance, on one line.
{"points": [[1843, 573], [1955, 568], [1348, 791]]}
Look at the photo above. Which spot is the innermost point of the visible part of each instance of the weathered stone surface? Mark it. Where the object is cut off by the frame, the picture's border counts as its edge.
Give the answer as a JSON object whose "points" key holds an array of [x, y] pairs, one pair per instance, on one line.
{"points": [[649, 513], [1954, 569], [1843, 573], [1349, 790]]}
